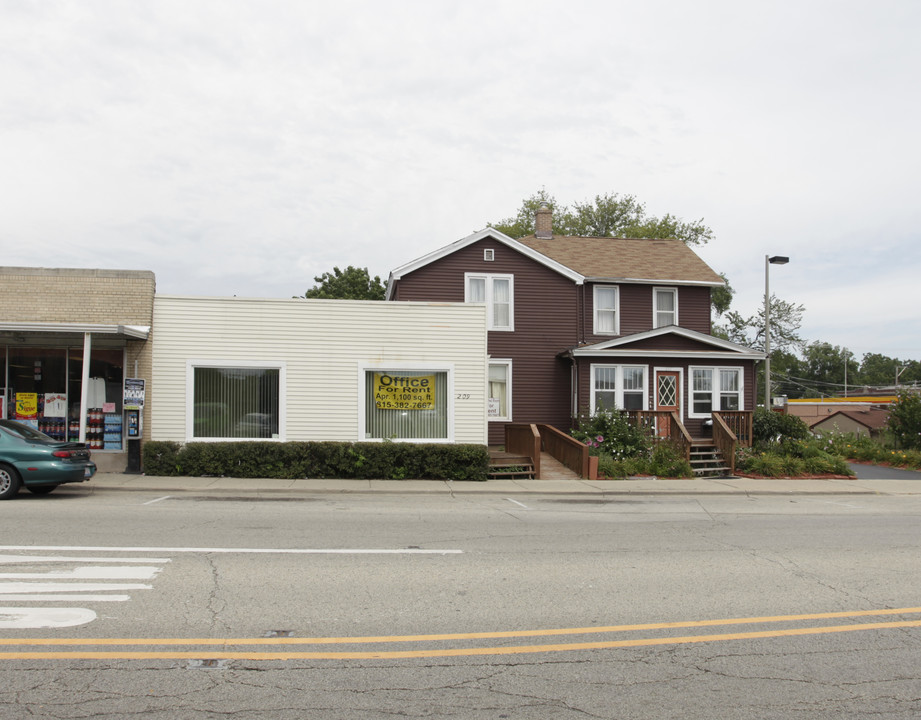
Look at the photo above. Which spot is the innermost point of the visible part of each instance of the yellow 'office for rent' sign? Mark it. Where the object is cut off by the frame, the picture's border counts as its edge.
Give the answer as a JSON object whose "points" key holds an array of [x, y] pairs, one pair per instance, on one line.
{"points": [[399, 392]]}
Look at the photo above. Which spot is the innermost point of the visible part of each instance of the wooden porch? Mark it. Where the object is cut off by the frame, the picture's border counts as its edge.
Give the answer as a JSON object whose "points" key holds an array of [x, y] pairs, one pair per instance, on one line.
{"points": [[536, 451]]}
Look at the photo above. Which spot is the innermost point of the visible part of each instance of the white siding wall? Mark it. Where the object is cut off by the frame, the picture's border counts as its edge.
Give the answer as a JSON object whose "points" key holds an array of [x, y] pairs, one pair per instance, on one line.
{"points": [[323, 344]]}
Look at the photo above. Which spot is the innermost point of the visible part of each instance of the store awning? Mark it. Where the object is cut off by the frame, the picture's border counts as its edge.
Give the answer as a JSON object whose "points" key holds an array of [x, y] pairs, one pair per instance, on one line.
{"points": [[136, 332]]}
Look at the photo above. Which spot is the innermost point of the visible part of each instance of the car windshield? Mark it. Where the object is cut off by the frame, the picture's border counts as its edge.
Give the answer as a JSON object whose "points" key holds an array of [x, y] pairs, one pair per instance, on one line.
{"points": [[24, 431]]}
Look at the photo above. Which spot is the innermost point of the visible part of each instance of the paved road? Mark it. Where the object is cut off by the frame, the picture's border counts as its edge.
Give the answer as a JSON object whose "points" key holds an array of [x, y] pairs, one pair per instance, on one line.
{"points": [[881, 472], [220, 603]]}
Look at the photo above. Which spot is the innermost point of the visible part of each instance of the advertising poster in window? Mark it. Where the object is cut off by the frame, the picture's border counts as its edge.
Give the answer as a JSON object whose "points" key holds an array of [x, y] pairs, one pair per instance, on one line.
{"points": [[55, 405], [26, 406], [404, 392]]}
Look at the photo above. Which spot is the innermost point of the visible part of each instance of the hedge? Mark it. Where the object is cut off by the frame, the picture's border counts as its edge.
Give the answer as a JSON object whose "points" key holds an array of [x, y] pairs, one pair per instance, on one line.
{"points": [[292, 460]]}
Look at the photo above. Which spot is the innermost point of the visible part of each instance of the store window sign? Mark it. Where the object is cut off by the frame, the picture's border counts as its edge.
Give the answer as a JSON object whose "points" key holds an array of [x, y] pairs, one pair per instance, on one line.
{"points": [[26, 406], [404, 392], [134, 393], [55, 405]]}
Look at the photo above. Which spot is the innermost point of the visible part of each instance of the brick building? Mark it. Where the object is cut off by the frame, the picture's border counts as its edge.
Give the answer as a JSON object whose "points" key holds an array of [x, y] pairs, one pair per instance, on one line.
{"points": [[68, 340]]}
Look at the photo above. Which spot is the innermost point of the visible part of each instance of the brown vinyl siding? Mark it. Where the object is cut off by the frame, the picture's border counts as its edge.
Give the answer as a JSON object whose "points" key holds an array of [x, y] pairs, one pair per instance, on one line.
{"points": [[546, 309], [693, 425], [636, 313]]}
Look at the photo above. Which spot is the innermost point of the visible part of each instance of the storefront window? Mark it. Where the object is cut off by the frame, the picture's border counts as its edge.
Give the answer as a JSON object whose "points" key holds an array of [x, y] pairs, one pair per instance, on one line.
{"points": [[406, 405], [236, 402], [44, 390]]}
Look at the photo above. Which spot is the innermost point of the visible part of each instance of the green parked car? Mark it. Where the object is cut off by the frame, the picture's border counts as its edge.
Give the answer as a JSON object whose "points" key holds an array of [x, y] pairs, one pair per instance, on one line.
{"points": [[31, 458]]}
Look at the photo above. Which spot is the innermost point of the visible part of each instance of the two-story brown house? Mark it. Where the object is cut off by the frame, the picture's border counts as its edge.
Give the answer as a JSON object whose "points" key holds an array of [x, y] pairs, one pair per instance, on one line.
{"points": [[580, 324]]}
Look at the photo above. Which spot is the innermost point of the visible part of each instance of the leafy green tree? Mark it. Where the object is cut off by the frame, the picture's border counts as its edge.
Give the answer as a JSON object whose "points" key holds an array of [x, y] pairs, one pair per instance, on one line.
{"points": [[786, 319], [612, 215], [721, 297], [878, 370], [905, 420], [608, 215], [825, 363], [349, 284]]}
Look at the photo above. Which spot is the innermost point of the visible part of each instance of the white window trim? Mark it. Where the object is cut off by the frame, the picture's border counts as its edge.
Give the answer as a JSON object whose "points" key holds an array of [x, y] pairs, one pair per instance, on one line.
{"points": [[715, 388], [655, 306], [595, 324], [424, 367], [191, 365], [490, 315], [619, 391], [508, 390]]}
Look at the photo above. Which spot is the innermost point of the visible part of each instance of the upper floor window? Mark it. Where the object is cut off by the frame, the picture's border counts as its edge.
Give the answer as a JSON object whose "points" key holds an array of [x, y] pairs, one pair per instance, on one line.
{"points": [[607, 310], [665, 307], [497, 291]]}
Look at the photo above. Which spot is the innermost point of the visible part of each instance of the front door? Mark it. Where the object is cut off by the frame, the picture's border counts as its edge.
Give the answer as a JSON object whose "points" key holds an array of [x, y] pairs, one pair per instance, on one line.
{"points": [[667, 391]]}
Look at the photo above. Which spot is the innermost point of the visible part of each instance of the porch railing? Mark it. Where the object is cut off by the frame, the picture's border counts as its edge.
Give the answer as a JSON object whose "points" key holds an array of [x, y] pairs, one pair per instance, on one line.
{"points": [[521, 439], [664, 425], [725, 440], [739, 422], [565, 448]]}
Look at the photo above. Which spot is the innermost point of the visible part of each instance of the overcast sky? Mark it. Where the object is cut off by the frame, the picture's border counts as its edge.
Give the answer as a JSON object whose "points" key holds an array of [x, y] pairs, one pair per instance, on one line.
{"points": [[242, 148]]}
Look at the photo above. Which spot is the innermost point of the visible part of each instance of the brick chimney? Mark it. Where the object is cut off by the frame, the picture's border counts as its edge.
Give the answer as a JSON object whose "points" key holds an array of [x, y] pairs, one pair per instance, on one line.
{"points": [[543, 222]]}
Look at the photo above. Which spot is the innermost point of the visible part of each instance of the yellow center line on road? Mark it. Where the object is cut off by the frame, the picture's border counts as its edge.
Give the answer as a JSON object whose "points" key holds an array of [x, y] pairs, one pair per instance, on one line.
{"points": [[452, 636], [450, 652]]}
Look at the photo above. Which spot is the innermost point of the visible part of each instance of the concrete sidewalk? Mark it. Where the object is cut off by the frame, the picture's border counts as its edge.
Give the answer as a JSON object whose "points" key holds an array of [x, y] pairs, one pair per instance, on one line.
{"points": [[601, 488]]}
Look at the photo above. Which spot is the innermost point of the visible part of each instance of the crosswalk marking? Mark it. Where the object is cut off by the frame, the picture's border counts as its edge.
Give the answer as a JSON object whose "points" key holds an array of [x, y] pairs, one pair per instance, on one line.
{"points": [[50, 581]]}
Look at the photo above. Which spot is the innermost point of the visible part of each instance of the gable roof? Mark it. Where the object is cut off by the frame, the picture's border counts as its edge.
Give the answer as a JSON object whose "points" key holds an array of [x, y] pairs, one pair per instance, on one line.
{"points": [[873, 419], [584, 259], [627, 259], [631, 345]]}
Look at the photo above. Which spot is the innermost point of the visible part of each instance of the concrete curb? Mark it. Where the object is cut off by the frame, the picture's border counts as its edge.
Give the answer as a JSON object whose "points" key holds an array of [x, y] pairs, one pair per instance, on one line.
{"points": [[598, 488]]}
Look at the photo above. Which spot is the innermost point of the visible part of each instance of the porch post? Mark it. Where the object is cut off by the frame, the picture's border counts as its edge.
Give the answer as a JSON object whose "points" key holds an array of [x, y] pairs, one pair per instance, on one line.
{"points": [[84, 385]]}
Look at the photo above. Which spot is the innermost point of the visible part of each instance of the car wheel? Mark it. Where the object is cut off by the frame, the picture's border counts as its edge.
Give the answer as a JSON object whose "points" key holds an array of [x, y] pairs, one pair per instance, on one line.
{"points": [[40, 489], [9, 482]]}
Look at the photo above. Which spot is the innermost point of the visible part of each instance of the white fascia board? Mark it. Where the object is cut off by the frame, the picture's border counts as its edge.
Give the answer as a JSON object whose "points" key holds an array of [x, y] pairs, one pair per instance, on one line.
{"points": [[647, 281], [134, 331], [609, 346], [501, 237], [698, 354]]}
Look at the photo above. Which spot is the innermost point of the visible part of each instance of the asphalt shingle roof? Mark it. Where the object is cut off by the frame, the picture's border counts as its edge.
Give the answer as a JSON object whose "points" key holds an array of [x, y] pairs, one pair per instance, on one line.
{"points": [[611, 258]]}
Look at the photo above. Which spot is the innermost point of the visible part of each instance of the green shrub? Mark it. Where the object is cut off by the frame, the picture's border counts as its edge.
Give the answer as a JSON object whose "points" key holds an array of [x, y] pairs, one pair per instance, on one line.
{"points": [[905, 421], [613, 434], [385, 461], [667, 462], [771, 428], [767, 464]]}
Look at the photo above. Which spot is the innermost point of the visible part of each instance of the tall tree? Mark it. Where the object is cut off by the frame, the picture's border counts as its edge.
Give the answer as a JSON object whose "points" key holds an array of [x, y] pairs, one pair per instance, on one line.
{"points": [[608, 215], [786, 319], [349, 284]]}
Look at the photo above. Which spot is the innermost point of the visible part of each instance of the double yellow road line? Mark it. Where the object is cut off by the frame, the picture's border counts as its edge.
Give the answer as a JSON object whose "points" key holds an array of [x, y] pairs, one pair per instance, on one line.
{"points": [[234, 648]]}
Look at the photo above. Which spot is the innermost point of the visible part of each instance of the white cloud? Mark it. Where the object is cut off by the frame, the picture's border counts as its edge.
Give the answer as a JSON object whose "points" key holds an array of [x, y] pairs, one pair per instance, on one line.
{"points": [[244, 148]]}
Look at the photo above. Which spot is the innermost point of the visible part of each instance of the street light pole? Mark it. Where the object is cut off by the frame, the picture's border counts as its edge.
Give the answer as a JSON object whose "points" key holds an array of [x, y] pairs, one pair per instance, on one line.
{"points": [[768, 261]]}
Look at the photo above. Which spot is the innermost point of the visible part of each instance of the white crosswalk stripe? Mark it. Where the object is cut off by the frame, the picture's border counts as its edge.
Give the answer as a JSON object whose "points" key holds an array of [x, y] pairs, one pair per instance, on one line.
{"points": [[64, 580]]}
